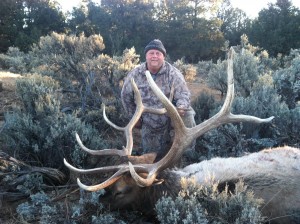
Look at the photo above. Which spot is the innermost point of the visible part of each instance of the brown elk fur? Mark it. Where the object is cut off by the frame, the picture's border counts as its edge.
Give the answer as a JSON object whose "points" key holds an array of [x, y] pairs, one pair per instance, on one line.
{"points": [[272, 174]]}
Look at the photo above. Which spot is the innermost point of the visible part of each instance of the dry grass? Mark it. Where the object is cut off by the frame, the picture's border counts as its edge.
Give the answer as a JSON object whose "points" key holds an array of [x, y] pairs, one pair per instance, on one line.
{"points": [[8, 79], [197, 88]]}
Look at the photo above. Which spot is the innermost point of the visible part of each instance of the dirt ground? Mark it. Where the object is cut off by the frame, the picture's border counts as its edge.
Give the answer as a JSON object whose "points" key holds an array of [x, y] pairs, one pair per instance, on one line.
{"points": [[197, 88]]}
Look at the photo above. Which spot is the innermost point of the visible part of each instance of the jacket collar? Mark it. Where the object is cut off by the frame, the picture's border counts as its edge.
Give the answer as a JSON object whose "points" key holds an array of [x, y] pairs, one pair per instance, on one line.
{"points": [[162, 70]]}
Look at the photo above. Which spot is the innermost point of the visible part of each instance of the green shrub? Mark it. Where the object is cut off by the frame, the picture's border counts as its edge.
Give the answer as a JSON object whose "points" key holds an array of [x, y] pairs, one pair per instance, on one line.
{"points": [[206, 204], [15, 61], [203, 105], [217, 77], [39, 133], [235, 139], [287, 82], [203, 68], [289, 134], [180, 210], [245, 69], [224, 141], [81, 68], [107, 219], [33, 183], [87, 77], [40, 204], [41, 209], [4, 65], [264, 102], [39, 95]]}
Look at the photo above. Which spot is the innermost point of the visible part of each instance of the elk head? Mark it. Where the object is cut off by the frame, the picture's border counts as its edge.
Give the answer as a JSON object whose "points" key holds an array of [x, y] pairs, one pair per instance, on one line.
{"points": [[130, 181]]}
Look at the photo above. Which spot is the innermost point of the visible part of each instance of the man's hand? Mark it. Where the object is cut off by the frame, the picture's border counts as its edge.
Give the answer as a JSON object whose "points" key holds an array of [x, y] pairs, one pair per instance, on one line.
{"points": [[181, 111]]}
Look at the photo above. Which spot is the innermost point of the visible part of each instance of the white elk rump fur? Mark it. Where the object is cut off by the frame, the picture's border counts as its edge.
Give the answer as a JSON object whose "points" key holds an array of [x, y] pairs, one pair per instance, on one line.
{"points": [[272, 174]]}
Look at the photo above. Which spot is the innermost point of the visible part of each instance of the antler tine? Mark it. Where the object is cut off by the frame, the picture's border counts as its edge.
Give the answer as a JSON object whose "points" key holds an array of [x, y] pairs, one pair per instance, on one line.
{"points": [[102, 185], [225, 116], [185, 136], [121, 169], [99, 152], [94, 170], [137, 115], [104, 152], [230, 84], [142, 182], [109, 122], [98, 186]]}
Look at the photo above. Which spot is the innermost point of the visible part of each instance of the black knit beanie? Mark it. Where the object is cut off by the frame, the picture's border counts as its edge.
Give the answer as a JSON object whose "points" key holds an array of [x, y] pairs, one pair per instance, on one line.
{"points": [[157, 45]]}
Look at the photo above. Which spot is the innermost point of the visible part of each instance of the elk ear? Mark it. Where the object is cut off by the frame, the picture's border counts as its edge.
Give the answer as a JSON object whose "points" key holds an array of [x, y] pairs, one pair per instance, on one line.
{"points": [[158, 181], [143, 159]]}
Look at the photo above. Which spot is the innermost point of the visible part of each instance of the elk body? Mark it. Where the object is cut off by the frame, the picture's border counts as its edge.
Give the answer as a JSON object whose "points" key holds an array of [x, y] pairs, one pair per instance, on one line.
{"points": [[272, 174]]}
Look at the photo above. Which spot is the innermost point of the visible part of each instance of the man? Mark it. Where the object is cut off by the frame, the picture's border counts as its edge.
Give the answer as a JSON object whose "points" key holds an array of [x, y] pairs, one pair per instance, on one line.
{"points": [[156, 129]]}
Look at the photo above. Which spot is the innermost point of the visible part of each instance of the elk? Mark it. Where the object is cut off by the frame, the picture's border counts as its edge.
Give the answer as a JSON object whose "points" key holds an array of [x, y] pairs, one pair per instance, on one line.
{"points": [[272, 174]]}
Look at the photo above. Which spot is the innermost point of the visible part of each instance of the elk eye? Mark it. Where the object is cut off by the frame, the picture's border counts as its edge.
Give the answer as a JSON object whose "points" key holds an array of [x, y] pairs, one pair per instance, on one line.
{"points": [[118, 194]]}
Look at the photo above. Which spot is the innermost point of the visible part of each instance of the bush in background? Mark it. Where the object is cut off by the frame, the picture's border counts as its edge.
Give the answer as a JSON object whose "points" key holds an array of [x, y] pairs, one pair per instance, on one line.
{"points": [[245, 70], [39, 133], [287, 82], [203, 105], [79, 65], [15, 61], [260, 92], [189, 71]]}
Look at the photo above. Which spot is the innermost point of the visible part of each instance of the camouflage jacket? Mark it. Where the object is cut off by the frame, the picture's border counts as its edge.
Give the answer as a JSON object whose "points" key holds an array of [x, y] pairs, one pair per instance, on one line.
{"points": [[167, 75]]}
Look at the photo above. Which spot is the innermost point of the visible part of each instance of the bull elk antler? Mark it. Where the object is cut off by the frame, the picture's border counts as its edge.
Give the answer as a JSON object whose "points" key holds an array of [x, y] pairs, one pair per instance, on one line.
{"points": [[183, 136]]}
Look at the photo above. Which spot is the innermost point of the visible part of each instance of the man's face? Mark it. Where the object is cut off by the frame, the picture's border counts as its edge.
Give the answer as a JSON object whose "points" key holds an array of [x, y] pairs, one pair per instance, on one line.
{"points": [[154, 59]]}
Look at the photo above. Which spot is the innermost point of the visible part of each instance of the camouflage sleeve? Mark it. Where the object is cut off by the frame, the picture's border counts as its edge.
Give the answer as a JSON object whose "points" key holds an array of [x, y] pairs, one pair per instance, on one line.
{"points": [[181, 92], [127, 97]]}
